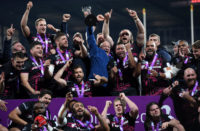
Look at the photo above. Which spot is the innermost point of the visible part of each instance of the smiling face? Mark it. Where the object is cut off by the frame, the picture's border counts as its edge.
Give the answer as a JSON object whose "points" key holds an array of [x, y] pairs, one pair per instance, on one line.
{"points": [[39, 108], [78, 109], [18, 47], [196, 53], [190, 77], [78, 74], [120, 51], [18, 63], [106, 47], [37, 51], [46, 99], [151, 48], [125, 36], [41, 26]]}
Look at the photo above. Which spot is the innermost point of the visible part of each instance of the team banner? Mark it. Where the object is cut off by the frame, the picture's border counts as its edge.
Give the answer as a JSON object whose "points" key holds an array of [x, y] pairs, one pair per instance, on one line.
{"points": [[99, 102]]}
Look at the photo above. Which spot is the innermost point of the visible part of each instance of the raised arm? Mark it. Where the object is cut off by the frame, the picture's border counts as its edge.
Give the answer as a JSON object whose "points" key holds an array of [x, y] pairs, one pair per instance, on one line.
{"points": [[66, 18], [24, 27], [51, 27], [133, 107], [91, 41], [105, 110], [105, 28], [102, 121], [59, 74], [131, 60], [7, 44], [64, 109], [83, 50], [139, 25]]}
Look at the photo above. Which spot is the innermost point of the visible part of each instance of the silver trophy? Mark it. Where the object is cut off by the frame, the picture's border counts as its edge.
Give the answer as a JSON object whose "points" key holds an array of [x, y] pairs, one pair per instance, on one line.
{"points": [[87, 9]]}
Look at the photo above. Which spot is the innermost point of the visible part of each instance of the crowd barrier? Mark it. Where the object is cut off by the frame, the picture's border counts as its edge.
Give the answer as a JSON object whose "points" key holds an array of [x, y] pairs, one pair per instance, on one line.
{"points": [[99, 102]]}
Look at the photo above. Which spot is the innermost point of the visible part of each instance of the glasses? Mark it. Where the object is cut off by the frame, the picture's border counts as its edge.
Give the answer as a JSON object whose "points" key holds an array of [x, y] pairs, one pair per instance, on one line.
{"points": [[125, 33]]}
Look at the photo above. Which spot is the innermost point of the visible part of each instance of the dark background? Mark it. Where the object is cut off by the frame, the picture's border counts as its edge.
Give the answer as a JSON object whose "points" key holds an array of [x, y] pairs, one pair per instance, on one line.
{"points": [[168, 18]]}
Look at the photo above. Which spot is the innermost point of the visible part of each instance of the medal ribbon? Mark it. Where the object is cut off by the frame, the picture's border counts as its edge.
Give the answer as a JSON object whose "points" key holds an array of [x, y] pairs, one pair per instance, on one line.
{"points": [[153, 62], [121, 123], [194, 89], [41, 64], [157, 126], [44, 43], [61, 56], [125, 59], [80, 95]]}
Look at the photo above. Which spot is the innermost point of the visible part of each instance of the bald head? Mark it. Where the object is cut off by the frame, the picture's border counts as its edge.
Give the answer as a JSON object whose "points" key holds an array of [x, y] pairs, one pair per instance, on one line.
{"points": [[106, 47], [190, 77]]}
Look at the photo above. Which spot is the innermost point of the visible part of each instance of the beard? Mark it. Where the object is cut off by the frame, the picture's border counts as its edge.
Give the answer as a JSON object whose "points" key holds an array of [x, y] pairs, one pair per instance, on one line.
{"points": [[150, 56]]}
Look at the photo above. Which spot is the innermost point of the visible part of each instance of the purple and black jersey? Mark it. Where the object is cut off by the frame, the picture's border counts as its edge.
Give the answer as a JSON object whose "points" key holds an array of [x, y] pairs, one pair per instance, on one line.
{"points": [[135, 49], [152, 85], [47, 38], [124, 80], [71, 124], [151, 126], [12, 82], [183, 106], [59, 63], [82, 90], [117, 123], [26, 110], [35, 77]]}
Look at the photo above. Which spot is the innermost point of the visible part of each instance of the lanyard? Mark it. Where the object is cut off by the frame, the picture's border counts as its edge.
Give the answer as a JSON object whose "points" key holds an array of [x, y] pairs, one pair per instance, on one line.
{"points": [[88, 124], [62, 57], [194, 89], [146, 64], [41, 65], [121, 123], [153, 62], [47, 115], [120, 74], [78, 91], [186, 60], [125, 59], [44, 43], [157, 126]]}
